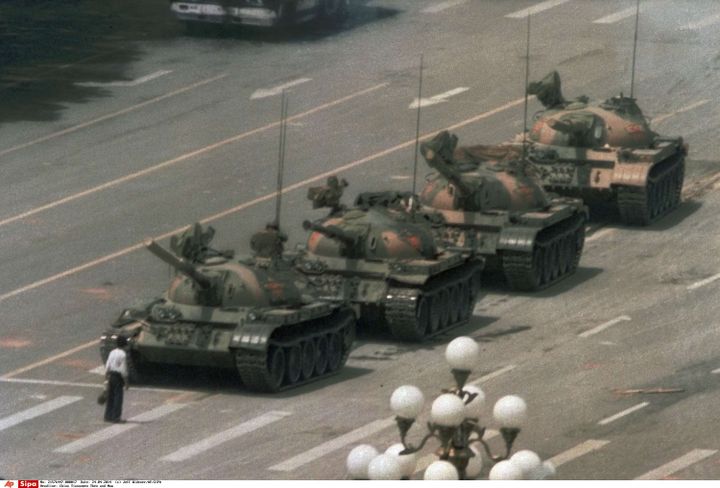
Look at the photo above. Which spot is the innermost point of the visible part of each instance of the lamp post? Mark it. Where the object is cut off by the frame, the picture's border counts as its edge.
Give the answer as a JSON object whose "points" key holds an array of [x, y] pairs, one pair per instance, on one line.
{"points": [[455, 425]]}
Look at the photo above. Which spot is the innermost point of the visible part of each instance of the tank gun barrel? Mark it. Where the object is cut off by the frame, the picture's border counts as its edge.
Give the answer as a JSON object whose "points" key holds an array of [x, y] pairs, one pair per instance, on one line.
{"points": [[183, 267], [438, 154], [332, 232]]}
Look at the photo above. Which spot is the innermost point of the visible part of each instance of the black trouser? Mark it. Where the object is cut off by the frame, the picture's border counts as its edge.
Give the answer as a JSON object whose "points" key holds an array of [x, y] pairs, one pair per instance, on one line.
{"points": [[113, 407]]}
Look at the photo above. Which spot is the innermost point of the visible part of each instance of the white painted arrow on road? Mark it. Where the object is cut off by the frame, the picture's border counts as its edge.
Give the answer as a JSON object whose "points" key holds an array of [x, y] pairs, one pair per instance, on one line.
{"points": [[443, 97], [270, 92], [135, 82]]}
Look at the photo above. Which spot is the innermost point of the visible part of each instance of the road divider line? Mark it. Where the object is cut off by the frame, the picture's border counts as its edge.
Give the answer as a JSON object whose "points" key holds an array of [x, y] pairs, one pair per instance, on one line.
{"points": [[440, 98], [492, 375], [581, 449], [692, 457], [616, 17], [334, 445], [208, 443], [184, 157], [706, 22], [602, 327], [29, 381], [110, 116], [254, 202], [50, 359], [628, 411], [716, 371], [706, 281], [692, 106], [536, 9], [277, 90], [439, 7], [117, 429], [36, 411], [130, 83]]}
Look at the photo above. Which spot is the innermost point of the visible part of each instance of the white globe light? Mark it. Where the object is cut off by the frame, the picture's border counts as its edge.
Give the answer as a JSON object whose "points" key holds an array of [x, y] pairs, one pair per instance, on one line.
{"points": [[463, 353], [475, 464], [529, 463], [510, 411], [384, 467], [441, 470], [358, 461], [548, 470], [475, 407], [447, 410], [505, 470], [408, 462], [407, 401]]}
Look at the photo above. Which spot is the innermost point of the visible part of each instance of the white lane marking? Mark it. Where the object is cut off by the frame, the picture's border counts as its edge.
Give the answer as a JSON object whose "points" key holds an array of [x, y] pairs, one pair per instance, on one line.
{"points": [[439, 7], [616, 17], [492, 375], [428, 459], [37, 410], [83, 385], [251, 203], [716, 371], [661, 118], [135, 82], [707, 21], [111, 115], [227, 435], [581, 449], [601, 233], [441, 98], [535, 9], [277, 90], [334, 445], [50, 359], [704, 282], [183, 157], [117, 429], [682, 462], [628, 411], [601, 327], [99, 370]]}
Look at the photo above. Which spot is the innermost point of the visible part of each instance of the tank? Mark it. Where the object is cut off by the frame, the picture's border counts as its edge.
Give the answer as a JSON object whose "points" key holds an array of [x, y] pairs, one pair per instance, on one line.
{"points": [[493, 206], [384, 260], [606, 153], [255, 316]]}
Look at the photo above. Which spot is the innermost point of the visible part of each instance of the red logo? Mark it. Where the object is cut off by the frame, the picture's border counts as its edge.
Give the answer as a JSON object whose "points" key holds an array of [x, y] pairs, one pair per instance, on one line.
{"points": [[28, 484], [9, 484]]}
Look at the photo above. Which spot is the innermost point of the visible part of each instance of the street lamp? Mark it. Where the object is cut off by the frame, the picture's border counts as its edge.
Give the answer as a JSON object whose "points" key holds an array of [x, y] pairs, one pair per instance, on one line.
{"points": [[455, 424]]}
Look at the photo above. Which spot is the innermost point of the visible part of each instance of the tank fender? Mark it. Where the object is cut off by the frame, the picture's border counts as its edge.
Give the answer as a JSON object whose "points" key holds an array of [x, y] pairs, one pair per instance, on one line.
{"points": [[253, 336], [632, 174], [517, 238]]}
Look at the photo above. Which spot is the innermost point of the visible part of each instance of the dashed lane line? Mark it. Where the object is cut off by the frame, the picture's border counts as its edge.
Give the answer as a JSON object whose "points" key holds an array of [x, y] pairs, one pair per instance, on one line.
{"points": [[536, 9], [700, 24], [581, 449], [616, 17], [492, 375], [692, 106], [49, 360], [130, 83], [109, 116], [37, 410], [439, 7], [692, 457], [277, 90], [28, 381], [706, 281], [208, 443], [117, 429], [628, 411], [602, 327]]}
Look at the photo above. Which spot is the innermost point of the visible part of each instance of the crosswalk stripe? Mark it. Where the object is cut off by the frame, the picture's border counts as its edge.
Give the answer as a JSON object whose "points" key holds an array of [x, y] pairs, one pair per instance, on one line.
{"points": [[577, 451], [536, 9], [623, 413], [227, 435], [334, 445], [694, 456], [37, 410], [117, 429], [616, 17]]}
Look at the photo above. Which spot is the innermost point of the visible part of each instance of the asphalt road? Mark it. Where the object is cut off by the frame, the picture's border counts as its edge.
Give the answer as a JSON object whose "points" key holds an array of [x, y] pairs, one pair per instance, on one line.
{"points": [[172, 129]]}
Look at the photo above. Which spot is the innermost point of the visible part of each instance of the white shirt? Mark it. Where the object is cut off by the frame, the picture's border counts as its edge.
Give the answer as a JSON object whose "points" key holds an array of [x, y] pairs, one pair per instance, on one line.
{"points": [[117, 362]]}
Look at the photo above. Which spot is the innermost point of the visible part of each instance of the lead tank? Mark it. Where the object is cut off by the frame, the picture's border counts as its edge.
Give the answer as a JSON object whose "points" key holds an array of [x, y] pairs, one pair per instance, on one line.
{"points": [[492, 206], [385, 261], [254, 316], [606, 153]]}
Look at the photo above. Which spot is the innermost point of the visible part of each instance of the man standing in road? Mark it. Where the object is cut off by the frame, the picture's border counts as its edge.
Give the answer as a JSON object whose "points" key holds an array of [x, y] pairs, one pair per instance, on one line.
{"points": [[116, 372]]}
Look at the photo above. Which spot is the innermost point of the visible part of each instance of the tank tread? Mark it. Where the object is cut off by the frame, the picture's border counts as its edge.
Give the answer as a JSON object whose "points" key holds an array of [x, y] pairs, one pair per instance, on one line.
{"points": [[555, 255], [417, 314], [643, 205], [258, 369]]}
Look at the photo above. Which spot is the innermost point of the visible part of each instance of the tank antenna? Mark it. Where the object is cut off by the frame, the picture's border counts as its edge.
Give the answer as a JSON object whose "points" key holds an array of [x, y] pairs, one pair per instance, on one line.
{"points": [[417, 127], [527, 80], [632, 72], [281, 157]]}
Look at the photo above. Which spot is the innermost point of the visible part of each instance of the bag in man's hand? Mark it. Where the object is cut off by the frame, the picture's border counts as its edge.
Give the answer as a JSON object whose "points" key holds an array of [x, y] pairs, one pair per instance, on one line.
{"points": [[102, 397]]}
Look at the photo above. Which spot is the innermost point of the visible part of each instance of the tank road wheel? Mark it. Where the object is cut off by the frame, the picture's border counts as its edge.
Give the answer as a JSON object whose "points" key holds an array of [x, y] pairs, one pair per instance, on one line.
{"points": [[293, 364], [334, 351], [321, 355], [308, 359]]}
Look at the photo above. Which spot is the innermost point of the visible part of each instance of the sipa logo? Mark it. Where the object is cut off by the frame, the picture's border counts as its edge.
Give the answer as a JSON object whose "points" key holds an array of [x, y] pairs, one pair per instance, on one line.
{"points": [[28, 484]]}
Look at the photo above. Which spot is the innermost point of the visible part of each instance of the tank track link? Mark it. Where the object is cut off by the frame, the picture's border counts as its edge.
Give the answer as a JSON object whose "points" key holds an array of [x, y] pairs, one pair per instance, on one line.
{"points": [[643, 205], [555, 255], [446, 302], [312, 343]]}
